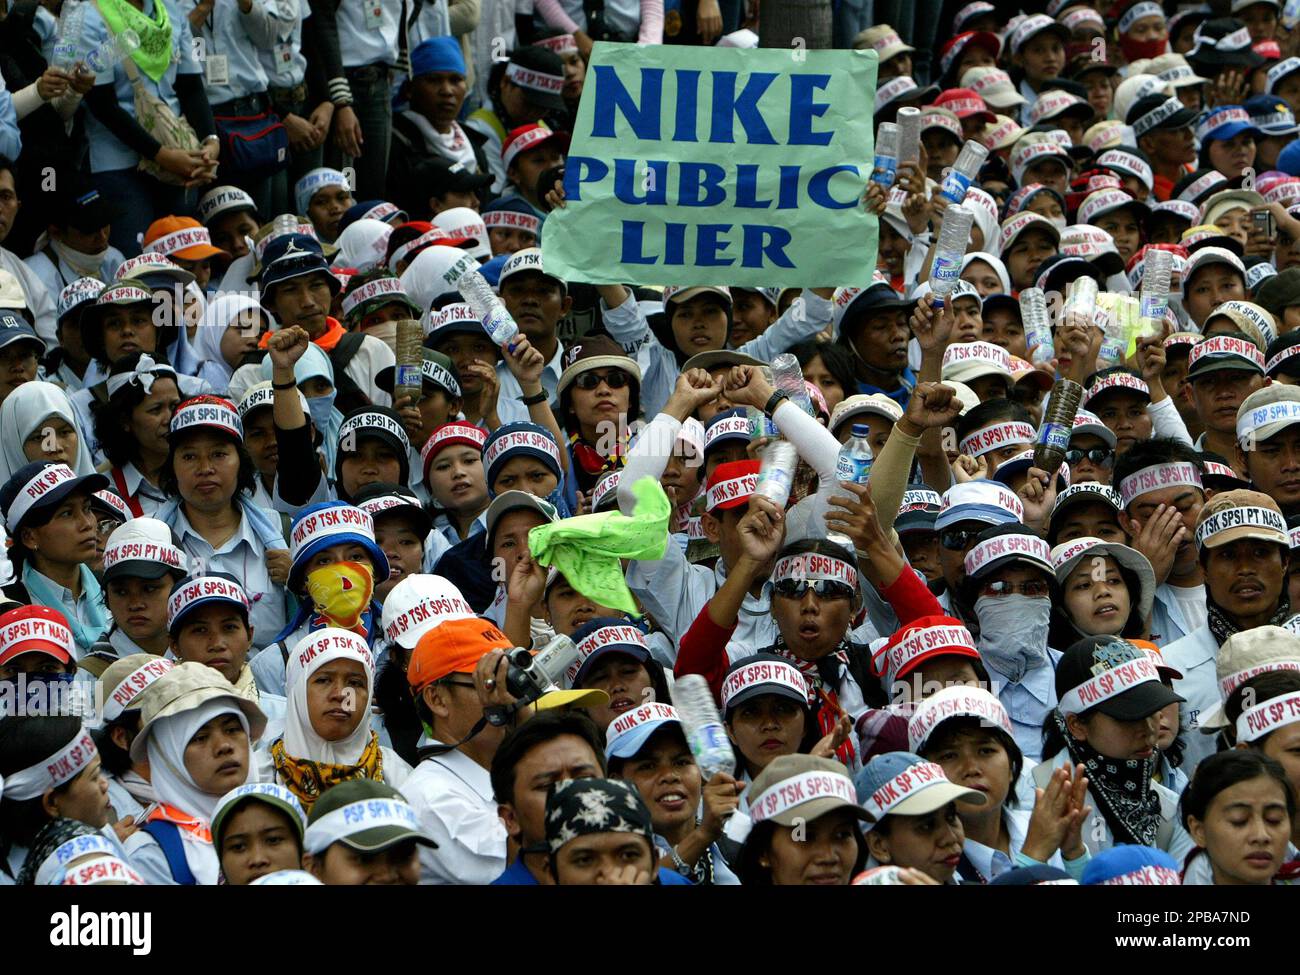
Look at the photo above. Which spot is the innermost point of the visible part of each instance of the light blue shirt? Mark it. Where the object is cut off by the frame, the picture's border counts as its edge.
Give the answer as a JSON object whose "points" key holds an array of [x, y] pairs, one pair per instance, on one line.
{"points": [[244, 557], [107, 151], [11, 140], [58, 276], [360, 43], [239, 38], [284, 63], [509, 409], [1027, 703]]}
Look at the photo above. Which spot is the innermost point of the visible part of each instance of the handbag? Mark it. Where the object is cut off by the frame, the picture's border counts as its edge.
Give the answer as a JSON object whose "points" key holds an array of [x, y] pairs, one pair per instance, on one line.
{"points": [[256, 146]]}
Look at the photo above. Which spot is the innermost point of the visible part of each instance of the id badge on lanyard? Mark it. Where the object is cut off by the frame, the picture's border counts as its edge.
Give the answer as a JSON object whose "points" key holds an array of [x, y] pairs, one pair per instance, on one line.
{"points": [[217, 69], [374, 13], [283, 59]]}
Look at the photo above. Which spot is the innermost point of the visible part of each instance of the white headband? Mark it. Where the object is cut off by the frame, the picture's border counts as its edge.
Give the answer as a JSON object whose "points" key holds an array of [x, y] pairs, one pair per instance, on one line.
{"points": [[379, 287], [357, 817], [912, 780], [1264, 719], [1245, 516], [50, 773], [999, 435], [808, 565], [1262, 416], [1109, 683], [763, 672], [79, 846], [133, 684], [1156, 477], [799, 789], [34, 490], [955, 702]]}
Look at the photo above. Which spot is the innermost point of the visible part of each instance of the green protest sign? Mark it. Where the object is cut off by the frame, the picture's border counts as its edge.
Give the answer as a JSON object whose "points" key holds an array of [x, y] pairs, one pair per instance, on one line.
{"points": [[695, 165]]}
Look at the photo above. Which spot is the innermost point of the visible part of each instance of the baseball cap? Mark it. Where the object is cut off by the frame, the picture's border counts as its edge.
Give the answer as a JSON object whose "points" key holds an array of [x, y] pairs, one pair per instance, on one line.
{"points": [[979, 500], [36, 629], [508, 501], [1029, 153], [454, 646], [328, 523], [1001, 545], [125, 679], [1001, 134], [1233, 515], [40, 485], [965, 361], [1266, 412], [181, 237], [1031, 27], [957, 701], [143, 548], [759, 675], [1247, 654], [224, 199], [951, 51], [1111, 676], [882, 39], [875, 404], [528, 260], [1227, 350], [272, 793], [364, 814], [1205, 256], [993, 86], [918, 509], [731, 485], [195, 592], [965, 103], [1086, 492], [1153, 112], [1013, 228], [923, 639], [801, 788], [904, 784], [1089, 423], [417, 604], [628, 733], [525, 138], [1067, 556], [601, 636], [84, 209]]}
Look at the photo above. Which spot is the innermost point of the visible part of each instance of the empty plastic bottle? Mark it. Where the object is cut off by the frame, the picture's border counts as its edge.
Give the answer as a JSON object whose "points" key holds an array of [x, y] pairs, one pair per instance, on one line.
{"points": [[963, 173], [787, 377], [909, 135], [1037, 324], [478, 294], [776, 475], [1157, 273], [885, 166], [703, 727], [68, 38], [113, 49], [854, 462], [954, 235]]}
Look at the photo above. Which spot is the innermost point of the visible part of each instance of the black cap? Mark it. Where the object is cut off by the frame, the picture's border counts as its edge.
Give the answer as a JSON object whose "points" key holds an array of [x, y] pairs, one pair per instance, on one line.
{"points": [[1206, 59], [1094, 655], [1181, 119], [1290, 366], [1279, 293], [542, 61], [439, 178], [84, 209], [379, 498]]}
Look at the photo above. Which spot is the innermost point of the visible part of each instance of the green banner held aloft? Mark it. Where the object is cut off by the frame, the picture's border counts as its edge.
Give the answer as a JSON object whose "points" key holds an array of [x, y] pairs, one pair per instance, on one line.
{"points": [[706, 165]]}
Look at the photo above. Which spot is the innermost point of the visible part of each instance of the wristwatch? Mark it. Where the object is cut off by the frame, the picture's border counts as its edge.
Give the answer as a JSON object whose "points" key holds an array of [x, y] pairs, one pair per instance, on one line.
{"points": [[774, 401], [536, 398]]}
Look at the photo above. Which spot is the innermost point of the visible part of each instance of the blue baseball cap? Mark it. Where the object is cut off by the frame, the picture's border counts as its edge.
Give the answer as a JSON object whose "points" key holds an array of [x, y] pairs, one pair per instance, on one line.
{"points": [[1033, 876], [602, 636], [328, 523], [14, 328], [39, 485], [905, 784], [728, 426], [520, 439], [293, 256], [372, 210], [204, 590], [1130, 864], [980, 500], [1224, 122], [437, 54], [1271, 115], [491, 270], [628, 733]]}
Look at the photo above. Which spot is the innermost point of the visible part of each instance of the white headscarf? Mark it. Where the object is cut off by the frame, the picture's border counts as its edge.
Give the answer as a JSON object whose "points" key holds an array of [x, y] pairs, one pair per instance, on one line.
{"points": [[211, 364], [985, 209], [300, 739], [181, 353], [999, 268], [23, 411], [168, 737], [363, 244]]}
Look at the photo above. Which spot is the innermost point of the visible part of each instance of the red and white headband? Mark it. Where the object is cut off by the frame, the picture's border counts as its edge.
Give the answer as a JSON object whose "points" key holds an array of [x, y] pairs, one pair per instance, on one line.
{"points": [[652, 713], [955, 702], [536, 80], [33, 629], [221, 415], [319, 648], [379, 287], [996, 437], [31, 493], [912, 780], [1233, 681], [1263, 719], [342, 519], [1225, 345], [1156, 477], [1108, 684], [203, 588], [428, 237], [770, 672], [795, 791], [523, 142], [1117, 380], [180, 240], [130, 551], [922, 642], [512, 220], [809, 565], [560, 44], [1243, 516], [464, 433]]}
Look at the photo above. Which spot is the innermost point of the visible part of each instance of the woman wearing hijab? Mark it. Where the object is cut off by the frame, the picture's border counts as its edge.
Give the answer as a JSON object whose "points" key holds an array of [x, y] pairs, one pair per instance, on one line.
{"points": [[230, 329], [197, 733], [52, 530], [131, 427], [209, 477], [986, 273], [327, 736], [1110, 695], [50, 770], [1106, 589], [1239, 809], [37, 423]]}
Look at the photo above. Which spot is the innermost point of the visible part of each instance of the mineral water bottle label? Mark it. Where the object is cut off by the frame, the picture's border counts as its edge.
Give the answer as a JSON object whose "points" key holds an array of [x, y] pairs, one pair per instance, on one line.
{"points": [[761, 426], [1111, 350], [774, 484], [708, 740], [1055, 435], [499, 325], [945, 268], [407, 376], [1153, 306], [849, 469], [65, 52], [883, 170], [955, 185]]}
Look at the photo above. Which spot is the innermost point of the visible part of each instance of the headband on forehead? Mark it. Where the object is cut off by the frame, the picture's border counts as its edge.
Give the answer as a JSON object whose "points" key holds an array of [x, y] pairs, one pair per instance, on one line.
{"points": [[50, 773], [355, 425], [512, 220], [428, 237], [1108, 684], [815, 566], [1263, 719], [731, 492], [180, 240], [1137, 12], [378, 288], [620, 635], [520, 440], [560, 44], [336, 519], [645, 714], [1225, 345], [102, 870], [1233, 681], [996, 437], [1028, 547], [1244, 516], [208, 412], [919, 643], [143, 375], [317, 649], [355, 817], [463, 433], [201, 590], [132, 685], [536, 80], [1157, 477], [773, 673], [955, 702]]}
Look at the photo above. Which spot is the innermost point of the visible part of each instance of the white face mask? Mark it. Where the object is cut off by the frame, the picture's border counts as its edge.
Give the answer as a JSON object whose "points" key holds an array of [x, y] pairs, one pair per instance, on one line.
{"points": [[1013, 633], [1059, 222], [386, 333]]}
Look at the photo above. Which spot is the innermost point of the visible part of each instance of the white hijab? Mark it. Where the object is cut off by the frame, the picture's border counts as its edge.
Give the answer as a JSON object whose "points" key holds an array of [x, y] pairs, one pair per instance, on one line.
{"points": [[168, 737], [23, 411], [999, 268], [211, 365], [300, 739]]}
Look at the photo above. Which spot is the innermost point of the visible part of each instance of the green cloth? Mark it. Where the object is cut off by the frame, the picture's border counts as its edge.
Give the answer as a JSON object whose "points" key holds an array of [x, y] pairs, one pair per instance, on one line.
{"points": [[587, 549], [154, 54]]}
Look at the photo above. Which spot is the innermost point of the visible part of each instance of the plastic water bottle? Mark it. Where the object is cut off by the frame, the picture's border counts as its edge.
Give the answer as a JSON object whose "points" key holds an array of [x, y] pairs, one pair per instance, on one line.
{"points": [[1080, 302], [72, 18], [885, 167], [284, 225], [954, 235], [909, 135], [963, 173], [759, 424], [408, 374], [787, 377], [854, 462], [1053, 437], [114, 48], [776, 475], [1157, 272], [478, 294], [1037, 324], [702, 725], [1114, 336], [1291, 14]]}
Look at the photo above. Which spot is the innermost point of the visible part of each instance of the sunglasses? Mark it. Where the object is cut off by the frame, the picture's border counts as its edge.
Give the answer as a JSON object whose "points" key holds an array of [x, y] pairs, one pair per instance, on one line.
{"points": [[614, 379], [822, 588], [1034, 589], [106, 526], [1098, 455], [955, 540]]}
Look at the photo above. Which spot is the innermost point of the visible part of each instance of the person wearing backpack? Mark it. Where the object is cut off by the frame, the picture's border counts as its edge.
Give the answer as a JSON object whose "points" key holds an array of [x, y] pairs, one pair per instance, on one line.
{"points": [[298, 288]]}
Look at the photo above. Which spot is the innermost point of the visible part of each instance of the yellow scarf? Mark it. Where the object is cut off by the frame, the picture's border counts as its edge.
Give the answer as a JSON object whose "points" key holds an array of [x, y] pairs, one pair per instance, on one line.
{"points": [[307, 779]]}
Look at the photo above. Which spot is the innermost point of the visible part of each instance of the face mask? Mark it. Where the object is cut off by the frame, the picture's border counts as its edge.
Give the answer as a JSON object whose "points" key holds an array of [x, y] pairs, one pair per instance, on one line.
{"points": [[1135, 50], [1013, 633], [386, 332], [1059, 222], [321, 407], [341, 591]]}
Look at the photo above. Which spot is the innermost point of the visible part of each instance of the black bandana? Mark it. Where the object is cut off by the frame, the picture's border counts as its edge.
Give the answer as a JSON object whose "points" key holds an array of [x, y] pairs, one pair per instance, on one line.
{"points": [[1222, 626], [579, 807], [1125, 794], [51, 836]]}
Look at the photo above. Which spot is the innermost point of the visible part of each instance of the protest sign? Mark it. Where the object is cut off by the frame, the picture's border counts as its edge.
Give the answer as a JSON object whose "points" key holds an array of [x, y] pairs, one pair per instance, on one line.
{"points": [[694, 166]]}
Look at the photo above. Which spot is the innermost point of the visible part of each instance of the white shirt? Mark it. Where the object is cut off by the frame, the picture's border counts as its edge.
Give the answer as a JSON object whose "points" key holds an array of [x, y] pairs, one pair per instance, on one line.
{"points": [[453, 796], [39, 300]]}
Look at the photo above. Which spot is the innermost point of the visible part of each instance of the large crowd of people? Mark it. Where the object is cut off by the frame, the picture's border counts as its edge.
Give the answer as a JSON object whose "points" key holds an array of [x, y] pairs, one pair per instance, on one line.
{"points": [[269, 592]]}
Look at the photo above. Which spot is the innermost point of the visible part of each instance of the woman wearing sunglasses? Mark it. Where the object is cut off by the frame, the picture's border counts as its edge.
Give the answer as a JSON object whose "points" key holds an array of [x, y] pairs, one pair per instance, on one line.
{"points": [[600, 392], [1010, 586]]}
